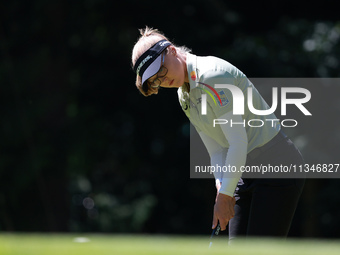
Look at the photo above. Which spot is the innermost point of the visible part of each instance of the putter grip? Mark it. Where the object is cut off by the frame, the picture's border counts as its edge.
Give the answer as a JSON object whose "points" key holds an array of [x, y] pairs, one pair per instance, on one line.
{"points": [[217, 229]]}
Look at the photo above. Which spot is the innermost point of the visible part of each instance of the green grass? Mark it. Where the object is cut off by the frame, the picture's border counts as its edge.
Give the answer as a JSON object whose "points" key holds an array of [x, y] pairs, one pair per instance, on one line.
{"points": [[53, 244]]}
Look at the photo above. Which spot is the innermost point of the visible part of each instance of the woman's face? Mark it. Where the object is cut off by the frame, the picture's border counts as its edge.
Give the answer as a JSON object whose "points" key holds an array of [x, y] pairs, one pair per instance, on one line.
{"points": [[177, 70]]}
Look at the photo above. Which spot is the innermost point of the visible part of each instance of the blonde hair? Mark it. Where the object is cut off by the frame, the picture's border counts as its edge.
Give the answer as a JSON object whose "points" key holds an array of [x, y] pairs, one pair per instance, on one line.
{"points": [[148, 38]]}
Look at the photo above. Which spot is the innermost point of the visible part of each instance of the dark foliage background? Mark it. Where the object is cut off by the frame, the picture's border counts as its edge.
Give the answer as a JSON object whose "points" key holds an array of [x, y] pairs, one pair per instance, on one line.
{"points": [[82, 150]]}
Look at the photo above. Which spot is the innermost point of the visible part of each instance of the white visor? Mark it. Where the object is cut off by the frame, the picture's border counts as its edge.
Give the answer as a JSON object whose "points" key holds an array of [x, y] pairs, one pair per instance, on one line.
{"points": [[152, 69]]}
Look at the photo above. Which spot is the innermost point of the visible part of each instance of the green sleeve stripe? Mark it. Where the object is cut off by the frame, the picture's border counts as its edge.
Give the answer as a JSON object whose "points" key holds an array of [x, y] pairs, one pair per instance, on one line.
{"points": [[206, 91]]}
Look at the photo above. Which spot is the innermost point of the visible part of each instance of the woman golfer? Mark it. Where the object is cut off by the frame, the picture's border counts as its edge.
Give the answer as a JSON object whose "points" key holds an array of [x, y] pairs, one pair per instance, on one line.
{"points": [[252, 206]]}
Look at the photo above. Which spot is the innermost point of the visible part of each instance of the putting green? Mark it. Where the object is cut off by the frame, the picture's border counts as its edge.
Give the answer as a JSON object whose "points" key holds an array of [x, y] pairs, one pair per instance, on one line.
{"points": [[92, 244]]}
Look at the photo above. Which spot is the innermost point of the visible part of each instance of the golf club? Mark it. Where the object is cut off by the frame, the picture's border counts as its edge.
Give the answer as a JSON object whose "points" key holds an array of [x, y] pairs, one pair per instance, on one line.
{"points": [[215, 232]]}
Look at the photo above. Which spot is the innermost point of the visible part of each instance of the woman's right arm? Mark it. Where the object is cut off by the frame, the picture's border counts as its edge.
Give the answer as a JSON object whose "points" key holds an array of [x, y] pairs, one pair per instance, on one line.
{"points": [[217, 156]]}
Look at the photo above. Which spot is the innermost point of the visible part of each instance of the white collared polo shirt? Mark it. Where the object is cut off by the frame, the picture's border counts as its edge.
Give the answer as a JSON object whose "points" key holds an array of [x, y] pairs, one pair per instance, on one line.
{"points": [[204, 73]]}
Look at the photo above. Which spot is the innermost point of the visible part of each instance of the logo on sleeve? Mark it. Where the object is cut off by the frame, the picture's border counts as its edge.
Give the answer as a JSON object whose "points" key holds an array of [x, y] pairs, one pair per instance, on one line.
{"points": [[193, 76], [224, 100]]}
